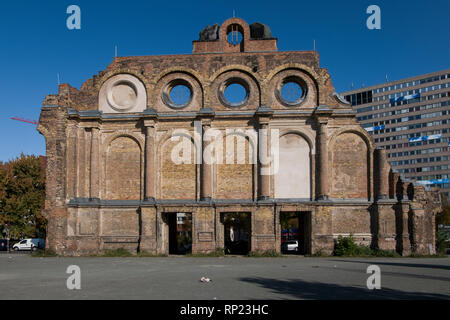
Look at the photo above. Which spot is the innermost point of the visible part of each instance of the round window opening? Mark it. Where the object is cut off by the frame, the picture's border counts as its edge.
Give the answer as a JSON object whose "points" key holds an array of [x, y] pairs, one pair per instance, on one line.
{"points": [[292, 93], [124, 95], [180, 95], [235, 94], [177, 94]]}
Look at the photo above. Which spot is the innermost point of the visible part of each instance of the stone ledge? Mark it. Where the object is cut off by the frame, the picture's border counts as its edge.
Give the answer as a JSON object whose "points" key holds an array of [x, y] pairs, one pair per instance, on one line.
{"points": [[97, 203]]}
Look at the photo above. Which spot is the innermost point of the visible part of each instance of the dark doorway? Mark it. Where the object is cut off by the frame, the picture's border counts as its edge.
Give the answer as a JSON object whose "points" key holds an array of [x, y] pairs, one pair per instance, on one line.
{"points": [[180, 233], [237, 232], [294, 232]]}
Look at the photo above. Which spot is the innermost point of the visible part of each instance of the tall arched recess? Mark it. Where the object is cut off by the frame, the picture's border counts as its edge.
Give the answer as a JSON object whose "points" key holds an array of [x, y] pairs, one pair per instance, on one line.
{"points": [[293, 179], [235, 172], [123, 169], [349, 163], [178, 169]]}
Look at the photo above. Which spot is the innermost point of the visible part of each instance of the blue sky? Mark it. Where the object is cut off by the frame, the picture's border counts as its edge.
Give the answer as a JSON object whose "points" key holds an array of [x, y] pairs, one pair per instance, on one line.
{"points": [[36, 45]]}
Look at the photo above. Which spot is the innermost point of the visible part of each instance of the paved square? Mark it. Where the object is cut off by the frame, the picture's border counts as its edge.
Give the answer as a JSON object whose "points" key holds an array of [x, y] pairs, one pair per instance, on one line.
{"points": [[25, 277]]}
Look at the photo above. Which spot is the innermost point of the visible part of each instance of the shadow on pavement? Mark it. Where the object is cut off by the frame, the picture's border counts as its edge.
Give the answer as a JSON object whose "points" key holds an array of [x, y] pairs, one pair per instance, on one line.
{"points": [[299, 289], [398, 274], [399, 264]]}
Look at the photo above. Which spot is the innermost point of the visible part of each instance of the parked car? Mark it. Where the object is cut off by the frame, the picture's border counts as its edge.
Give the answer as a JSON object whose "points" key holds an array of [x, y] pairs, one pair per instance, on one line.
{"points": [[184, 249], [291, 245], [29, 244], [188, 248], [3, 245]]}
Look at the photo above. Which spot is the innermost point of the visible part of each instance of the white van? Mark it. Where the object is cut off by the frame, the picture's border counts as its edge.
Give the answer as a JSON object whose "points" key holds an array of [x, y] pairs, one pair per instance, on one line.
{"points": [[29, 244]]}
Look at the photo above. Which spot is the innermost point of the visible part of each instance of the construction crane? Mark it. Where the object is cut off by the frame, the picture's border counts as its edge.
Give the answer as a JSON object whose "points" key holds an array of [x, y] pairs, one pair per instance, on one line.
{"points": [[25, 120]]}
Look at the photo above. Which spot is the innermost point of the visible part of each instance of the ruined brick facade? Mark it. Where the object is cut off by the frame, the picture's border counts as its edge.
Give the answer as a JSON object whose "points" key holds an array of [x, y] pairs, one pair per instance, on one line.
{"points": [[111, 180]]}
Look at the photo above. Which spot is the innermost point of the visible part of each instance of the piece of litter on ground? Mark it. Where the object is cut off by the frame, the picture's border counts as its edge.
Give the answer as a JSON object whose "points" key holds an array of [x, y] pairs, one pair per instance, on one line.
{"points": [[204, 279]]}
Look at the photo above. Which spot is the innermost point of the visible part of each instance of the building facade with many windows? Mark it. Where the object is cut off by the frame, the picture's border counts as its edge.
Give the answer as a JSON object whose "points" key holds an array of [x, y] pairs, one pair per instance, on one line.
{"points": [[134, 163], [410, 118]]}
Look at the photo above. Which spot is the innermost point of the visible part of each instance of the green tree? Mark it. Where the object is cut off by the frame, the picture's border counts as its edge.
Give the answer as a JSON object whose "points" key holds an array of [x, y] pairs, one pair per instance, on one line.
{"points": [[288, 220], [443, 217], [22, 196], [2, 199]]}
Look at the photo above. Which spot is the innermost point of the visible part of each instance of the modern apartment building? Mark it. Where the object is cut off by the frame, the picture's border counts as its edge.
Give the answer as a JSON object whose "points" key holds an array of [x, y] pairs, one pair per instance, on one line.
{"points": [[410, 118]]}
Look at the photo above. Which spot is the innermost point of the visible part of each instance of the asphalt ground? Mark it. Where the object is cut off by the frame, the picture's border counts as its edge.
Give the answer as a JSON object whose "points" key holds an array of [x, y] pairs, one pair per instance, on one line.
{"points": [[241, 278]]}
